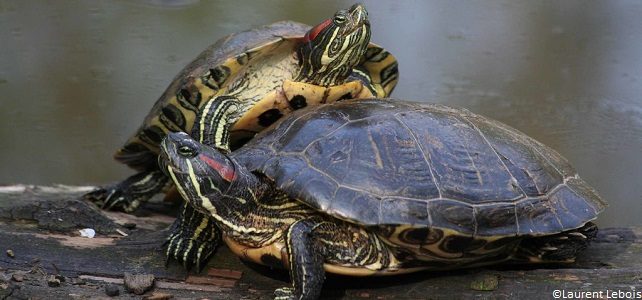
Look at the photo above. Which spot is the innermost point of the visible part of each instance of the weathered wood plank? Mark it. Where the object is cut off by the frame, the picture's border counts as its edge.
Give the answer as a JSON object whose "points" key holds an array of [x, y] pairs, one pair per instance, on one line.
{"points": [[40, 226]]}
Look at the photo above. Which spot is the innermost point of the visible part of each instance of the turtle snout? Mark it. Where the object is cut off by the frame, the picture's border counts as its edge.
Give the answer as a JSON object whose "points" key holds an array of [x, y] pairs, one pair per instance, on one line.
{"points": [[175, 149], [359, 14]]}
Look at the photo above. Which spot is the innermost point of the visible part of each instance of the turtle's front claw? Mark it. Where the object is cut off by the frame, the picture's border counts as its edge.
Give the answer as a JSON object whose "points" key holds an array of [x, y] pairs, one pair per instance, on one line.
{"points": [[193, 239], [188, 252], [284, 293]]}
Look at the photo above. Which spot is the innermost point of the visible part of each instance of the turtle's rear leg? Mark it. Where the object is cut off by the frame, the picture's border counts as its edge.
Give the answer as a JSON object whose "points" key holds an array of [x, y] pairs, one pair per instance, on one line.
{"points": [[562, 247], [128, 194]]}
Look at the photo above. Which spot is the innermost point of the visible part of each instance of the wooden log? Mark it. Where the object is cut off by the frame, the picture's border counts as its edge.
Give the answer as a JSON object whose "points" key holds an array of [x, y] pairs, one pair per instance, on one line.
{"points": [[39, 226]]}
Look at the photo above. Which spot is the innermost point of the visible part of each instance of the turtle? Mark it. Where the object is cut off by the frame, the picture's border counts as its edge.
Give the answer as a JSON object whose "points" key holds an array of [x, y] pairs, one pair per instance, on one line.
{"points": [[268, 72], [382, 187]]}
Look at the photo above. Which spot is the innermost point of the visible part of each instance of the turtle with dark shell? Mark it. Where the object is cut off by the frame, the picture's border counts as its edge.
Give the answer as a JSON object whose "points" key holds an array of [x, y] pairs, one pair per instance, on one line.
{"points": [[381, 187], [262, 74]]}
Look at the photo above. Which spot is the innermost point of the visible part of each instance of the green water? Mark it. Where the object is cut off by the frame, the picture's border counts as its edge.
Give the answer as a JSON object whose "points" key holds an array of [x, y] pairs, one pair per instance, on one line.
{"points": [[78, 77]]}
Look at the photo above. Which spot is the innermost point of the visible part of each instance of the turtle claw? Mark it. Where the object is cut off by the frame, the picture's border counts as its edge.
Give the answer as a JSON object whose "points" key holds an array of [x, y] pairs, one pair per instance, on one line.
{"points": [[112, 198], [129, 194], [284, 293], [193, 239], [188, 252]]}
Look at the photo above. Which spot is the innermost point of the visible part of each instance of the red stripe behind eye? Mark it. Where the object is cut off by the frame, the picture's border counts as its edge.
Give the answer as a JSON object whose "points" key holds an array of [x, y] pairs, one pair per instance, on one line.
{"points": [[225, 171], [312, 34]]}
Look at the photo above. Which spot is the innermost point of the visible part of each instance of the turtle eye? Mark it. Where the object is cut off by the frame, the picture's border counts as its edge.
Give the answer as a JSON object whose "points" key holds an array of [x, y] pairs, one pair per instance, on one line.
{"points": [[186, 151], [340, 18]]}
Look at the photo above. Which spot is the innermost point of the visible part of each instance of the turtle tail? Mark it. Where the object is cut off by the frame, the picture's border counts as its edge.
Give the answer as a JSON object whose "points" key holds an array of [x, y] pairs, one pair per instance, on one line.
{"points": [[558, 248]]}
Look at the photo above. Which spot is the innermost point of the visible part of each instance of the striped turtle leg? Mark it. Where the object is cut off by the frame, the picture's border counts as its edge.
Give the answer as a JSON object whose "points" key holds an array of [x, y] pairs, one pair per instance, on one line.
{"points": [[310, 243], [306, 263], [562, 247], [193, 238], [127, 195], [214, 121]]}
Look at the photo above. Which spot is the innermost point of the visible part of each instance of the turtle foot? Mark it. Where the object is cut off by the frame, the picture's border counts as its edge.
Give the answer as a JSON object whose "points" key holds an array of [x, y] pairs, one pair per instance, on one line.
{"points": [[562, 247], [193, 239], [112, 198], [129, 194], [188, 252], [284, 293]]}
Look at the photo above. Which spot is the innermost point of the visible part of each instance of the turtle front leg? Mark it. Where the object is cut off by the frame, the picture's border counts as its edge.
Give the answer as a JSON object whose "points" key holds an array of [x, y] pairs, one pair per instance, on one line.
{"points": [[127, 195], [305, 263], [193, 238], [312, 242]]}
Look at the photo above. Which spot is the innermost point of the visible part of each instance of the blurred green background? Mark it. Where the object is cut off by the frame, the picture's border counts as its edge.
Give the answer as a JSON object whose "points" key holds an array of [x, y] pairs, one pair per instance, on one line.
{"points": [[78, 77]]}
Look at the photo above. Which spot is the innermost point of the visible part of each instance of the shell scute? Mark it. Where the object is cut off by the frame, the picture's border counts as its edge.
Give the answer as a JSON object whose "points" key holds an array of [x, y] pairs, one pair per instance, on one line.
{"points": [[533, 172], [465, 167], [349, 204], [382, 150], [399, 164], [496, 219], [536, 216], [571, 209], [411, 211], [452, 214], [584, 191]]}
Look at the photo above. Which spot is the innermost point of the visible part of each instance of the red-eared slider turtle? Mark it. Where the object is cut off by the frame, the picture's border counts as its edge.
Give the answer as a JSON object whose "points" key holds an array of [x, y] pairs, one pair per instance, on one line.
{"points": [[269, 72], [380, 187]]}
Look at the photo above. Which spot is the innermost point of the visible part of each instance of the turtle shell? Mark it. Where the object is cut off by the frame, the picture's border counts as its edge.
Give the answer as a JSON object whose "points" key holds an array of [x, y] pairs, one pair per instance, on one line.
{"points": [[389, 162], [220, 66]]}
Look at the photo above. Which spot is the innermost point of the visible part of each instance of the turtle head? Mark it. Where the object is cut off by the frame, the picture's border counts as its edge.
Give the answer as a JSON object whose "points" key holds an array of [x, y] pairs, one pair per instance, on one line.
{"points": [[333, 48], [197, 170]]}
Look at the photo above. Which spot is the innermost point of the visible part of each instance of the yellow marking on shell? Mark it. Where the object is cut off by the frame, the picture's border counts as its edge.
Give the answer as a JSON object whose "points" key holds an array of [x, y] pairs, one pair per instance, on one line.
{"points": [[375, 149], [254, 254], [315, 94], [277, 250], [375, 68], [364, 271], [365, 93], [432, 252], [334, 93], [263, 58], [248, 121]]}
